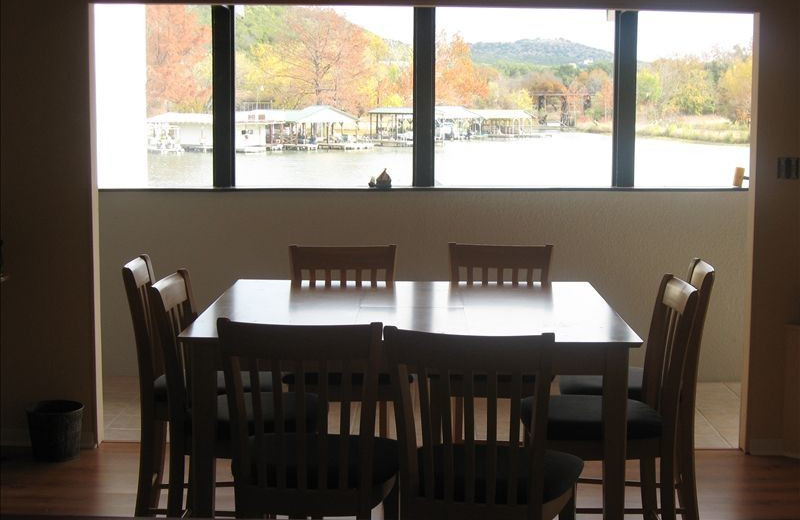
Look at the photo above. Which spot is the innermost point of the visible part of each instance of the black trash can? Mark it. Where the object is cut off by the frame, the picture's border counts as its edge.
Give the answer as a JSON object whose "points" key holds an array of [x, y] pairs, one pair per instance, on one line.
{"points": [[55, 429]]}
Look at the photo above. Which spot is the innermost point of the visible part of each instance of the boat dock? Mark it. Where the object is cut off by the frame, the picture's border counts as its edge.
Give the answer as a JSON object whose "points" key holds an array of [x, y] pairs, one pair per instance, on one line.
{"points": [[345, 146], [303, 147]]}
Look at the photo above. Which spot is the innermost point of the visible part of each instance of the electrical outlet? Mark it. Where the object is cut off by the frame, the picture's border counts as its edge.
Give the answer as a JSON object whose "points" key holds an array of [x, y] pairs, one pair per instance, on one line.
{"points": [[789, 168]]}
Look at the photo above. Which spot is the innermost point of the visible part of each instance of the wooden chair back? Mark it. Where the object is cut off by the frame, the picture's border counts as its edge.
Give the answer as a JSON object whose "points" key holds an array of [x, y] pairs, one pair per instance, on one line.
{"points": [[342, 263], [668, 345], [173, 310], [509, 263], [263, 479], [701, 275], [469, 356], [137, 276]]}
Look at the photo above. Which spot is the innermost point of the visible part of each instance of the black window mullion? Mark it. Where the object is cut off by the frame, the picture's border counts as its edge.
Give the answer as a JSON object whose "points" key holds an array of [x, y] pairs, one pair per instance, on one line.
{"points": [[223, 95], [424, 94], [624, 133]]}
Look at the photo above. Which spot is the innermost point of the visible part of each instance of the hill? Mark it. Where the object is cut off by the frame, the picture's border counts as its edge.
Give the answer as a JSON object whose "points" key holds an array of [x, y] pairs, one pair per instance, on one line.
{"points": [[538, 51]]}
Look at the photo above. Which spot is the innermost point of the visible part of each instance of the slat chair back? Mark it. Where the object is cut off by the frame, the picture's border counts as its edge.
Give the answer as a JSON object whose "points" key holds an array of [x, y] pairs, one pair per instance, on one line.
{"points": [[668, 345], [172, 306], [264, 480], [521, 261], [429, 487], [701, 275], [359, 264], [137, 276], [174, 310]]}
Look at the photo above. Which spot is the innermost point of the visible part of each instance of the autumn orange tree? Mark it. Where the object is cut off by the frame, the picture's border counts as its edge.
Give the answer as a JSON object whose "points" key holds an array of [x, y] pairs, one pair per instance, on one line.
{"points": [[322, 57], [178, 60], [459, 81]]}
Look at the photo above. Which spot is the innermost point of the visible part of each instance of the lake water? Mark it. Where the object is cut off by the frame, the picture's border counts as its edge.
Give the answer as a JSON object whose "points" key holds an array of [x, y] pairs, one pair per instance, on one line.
{"points": [[557, 159]]}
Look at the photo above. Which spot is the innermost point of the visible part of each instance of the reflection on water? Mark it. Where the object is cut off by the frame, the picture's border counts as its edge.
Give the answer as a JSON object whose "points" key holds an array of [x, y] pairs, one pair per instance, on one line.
{"points": [[556, 159]]}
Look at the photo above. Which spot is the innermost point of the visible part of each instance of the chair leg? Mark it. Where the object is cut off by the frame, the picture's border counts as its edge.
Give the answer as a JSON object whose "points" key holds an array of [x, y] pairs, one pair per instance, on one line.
{"points": [[391, 504], [667, 464], [647, 476], [151, 466], [568, 513], [687, 482], [177, 460]]}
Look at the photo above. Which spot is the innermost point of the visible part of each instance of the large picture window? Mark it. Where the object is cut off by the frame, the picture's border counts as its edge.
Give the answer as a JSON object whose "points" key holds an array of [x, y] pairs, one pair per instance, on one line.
{"points": [[153, 95], [524, 97], [311, 96], [693, 98]]}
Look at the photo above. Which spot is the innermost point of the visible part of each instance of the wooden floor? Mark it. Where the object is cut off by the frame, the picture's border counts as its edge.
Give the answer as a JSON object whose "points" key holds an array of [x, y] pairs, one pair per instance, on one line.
{"points": [[102, 482]]}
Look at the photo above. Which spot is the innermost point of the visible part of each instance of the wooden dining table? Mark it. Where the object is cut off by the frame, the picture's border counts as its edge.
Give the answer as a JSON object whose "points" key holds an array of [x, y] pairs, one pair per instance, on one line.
{"points": [[591, 338]]}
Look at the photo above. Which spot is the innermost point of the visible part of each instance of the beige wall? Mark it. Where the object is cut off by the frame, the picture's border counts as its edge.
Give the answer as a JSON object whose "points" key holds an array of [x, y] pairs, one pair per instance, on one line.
{"points": [[47, 329], [621, 241], [48, 326]]}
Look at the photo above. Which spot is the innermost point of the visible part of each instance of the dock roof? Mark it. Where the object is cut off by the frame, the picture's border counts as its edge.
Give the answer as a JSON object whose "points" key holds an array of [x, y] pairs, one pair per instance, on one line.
{"points": [[440, 111], [319, 114]]}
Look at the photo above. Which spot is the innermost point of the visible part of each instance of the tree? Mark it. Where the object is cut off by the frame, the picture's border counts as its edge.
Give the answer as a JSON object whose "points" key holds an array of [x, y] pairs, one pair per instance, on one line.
{"points": [[178, 60], [459, 81], [648, 92], [323, 59], [686, 86], [735, 91]]}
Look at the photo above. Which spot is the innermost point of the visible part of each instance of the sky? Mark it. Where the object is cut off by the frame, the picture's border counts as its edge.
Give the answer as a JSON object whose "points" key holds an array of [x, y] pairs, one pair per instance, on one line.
{"points": [[661, 34]]}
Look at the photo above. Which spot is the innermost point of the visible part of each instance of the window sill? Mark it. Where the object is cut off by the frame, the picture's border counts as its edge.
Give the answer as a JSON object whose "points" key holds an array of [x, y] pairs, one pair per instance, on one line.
{"points": [[421, 189]]}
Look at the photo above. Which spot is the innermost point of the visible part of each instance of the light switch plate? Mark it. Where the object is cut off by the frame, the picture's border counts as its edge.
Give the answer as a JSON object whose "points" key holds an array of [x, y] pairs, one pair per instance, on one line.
{"points": [[789, 168]]}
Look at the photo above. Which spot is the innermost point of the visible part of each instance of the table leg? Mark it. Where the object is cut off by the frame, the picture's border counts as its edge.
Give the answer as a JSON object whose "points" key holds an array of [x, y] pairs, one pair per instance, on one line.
{"points": [[204, 404], [615, 394]]}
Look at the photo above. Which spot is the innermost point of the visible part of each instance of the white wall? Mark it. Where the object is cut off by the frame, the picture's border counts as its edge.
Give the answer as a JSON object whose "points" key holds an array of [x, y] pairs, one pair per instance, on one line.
{"points": [[622, 242]]}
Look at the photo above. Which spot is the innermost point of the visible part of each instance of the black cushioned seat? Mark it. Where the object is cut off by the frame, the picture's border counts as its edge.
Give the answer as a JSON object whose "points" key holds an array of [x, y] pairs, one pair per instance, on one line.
{"points": [[264, 378], [335, 379], [561, 471], [593, 385], [580, 418], [289, 404], [384, 460]]}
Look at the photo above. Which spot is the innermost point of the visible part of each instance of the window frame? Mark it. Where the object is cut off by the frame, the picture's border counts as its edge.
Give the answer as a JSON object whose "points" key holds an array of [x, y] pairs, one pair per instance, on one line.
{"points": [[424, 43]]}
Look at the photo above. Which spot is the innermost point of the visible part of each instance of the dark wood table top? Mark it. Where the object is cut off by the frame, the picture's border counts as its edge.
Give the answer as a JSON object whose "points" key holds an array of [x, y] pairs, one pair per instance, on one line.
{"points": [[574, 311]]}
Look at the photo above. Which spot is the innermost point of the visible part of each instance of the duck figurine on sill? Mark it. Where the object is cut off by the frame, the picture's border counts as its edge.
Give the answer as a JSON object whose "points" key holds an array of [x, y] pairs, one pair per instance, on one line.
{"points": [[382, 182]]}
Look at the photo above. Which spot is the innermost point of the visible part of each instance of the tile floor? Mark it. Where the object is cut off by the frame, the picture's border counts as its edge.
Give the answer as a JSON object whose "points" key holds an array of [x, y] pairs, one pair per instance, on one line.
{"points": [[716, 418]]}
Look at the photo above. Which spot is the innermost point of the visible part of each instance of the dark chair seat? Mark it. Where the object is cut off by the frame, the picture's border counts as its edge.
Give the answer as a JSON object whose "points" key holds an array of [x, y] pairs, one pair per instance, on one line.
{"points": [[580, 418], [384, 460], [561, 471], [265, 380], [593, 385], [290, 409], [335, 379]]}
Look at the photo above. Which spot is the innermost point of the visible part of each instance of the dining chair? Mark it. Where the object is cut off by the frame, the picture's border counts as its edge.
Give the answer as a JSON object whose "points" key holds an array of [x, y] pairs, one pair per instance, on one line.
{"points": [[173, 309], [348, 262], [478, 262], [575, 423], [345, 264], [522, 262], [137, 276], [492, 473], [307, 472], [701, 276]]}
